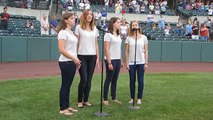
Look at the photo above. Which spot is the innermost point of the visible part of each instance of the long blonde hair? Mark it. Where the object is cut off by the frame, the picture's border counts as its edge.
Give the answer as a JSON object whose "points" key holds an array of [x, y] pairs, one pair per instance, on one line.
{"points": [[83, 20]]}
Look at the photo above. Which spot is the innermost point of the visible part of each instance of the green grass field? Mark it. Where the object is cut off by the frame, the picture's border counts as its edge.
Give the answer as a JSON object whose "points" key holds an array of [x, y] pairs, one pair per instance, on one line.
{"points": [[167, 96]]}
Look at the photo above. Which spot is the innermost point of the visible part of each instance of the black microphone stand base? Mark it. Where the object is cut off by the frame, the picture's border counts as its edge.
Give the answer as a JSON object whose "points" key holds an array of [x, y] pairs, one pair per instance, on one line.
{"points": [[134, 107], [101, 114]]}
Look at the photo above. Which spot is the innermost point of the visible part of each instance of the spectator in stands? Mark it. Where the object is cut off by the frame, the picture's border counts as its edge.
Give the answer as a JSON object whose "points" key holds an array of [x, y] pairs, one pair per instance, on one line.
{"points": [[81, 6], [150, 18], [53, 25], [195, 31], [88, 53], [118, 8], [106, 3], [27, 24], [210, 12], [151, 7], [123, 10], [189, 29], [157, 8], [113, 59], [22, 4], [76, 18], [29, 4], [145, 2], [68, 61], [154, 26], [69, 5], [208, 22], [204, 32], [44, 25], [131, 7], [179, 27], [166, 31], [103, 15], [161, 23], [87, 4], [77, 3], [32, 26], [5, 17], [139, 65], [98, 18], [123, 29], [137, 8], [143, 8], [163, 9]]}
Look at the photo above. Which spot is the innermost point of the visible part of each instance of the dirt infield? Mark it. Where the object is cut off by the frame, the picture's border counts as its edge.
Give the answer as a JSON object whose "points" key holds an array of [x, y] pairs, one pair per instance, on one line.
{"points": [[19, 70]]}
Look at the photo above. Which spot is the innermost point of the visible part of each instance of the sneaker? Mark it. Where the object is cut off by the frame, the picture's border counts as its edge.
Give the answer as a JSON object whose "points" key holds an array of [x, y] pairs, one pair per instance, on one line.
{"points": [[117, 101], [139, 101], [131, 101]]}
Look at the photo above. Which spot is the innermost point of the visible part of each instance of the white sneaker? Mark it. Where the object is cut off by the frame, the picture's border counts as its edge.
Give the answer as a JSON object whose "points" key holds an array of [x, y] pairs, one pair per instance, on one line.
{"points": [[139, 101], [131, 101]]}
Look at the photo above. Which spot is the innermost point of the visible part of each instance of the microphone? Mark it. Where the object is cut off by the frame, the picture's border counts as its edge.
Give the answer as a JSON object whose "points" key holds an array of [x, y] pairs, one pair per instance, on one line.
{"points": [[135, 29], [101, 29]]}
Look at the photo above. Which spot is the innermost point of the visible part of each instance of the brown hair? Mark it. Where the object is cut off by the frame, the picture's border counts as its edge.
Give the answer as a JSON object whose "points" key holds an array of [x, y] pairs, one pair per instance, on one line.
{"points": [[63, 25], [131, 32], [110, 26], [83, 20]]}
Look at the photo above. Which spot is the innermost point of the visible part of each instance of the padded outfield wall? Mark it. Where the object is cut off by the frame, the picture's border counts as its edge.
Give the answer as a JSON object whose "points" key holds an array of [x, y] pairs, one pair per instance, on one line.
{"points": [[23, 49]]}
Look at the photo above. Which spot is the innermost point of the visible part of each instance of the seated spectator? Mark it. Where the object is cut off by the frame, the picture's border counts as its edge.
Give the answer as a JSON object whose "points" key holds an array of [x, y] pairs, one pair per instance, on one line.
{"points": [[53, 25], [123, 10], [69, 5], [207, 7], [143, 8], [195, 31], [22, 4], [137, 8], [131, 7], [98, 18], [154, 26], [87, 5], [27, 24], [157, 9], [202, 7], [166, 31], [32, 26], [29, 4], [210, 12], [163, 9], [188, 7], [145, 2], [151, 8], [81, 6], [208, 22], [118, 8]]}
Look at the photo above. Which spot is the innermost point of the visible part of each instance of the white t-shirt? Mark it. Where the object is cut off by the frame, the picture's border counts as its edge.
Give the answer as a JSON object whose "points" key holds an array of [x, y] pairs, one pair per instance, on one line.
{"points": [[123, 29], [140, 56], [70, 44], [87, 41], [114, 45], [98, 16]]}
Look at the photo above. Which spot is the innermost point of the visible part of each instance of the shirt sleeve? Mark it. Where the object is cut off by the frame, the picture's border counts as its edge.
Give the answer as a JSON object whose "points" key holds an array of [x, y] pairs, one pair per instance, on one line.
{"points": [[107, 37], [77, 30], [145, 40], [62, 35], [96, 32]]}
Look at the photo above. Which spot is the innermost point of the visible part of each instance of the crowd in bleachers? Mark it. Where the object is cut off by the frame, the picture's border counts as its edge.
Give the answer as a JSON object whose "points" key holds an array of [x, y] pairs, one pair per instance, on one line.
{"points": [[195, 7]]}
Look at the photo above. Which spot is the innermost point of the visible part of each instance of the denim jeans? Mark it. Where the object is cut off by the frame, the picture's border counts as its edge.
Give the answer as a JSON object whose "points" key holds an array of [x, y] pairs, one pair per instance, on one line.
{"points": [[68, 70], [140, 76], [111, 77]]}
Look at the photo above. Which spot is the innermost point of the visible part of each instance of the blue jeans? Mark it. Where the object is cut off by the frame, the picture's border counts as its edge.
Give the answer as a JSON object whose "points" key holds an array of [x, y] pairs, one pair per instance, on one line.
{"points": [[67, 75], [204, 38], [140, 75], [111, 77]]}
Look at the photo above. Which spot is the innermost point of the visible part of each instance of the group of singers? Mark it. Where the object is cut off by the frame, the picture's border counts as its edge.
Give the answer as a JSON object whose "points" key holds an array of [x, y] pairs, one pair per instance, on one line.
{"points": [[80, 51]]}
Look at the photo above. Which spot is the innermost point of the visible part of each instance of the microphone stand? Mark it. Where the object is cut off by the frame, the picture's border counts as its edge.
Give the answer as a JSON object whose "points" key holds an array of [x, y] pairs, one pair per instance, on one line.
{"points": [[133, 107], [101, 113]]}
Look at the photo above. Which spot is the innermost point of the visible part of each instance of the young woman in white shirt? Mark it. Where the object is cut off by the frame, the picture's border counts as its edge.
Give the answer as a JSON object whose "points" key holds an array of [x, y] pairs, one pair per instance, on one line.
{"points": [[113, 59], [68, 60], [88, 53], [141, 59]]}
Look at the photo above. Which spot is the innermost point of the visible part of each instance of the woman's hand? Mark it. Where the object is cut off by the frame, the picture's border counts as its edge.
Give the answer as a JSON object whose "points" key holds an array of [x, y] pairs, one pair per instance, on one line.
{"points": [[110, 66], [77, 62]]}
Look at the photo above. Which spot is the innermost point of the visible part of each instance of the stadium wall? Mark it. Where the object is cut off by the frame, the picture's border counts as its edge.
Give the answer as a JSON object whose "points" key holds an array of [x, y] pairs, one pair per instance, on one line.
{"points": [[24, 49]]}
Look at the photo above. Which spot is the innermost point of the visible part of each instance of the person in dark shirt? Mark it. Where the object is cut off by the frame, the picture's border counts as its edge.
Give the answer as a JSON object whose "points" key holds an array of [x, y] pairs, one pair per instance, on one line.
{"points": [[195, 30], [4, 19]]}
